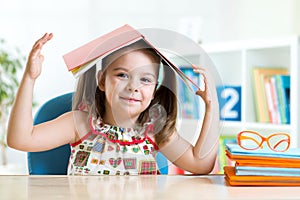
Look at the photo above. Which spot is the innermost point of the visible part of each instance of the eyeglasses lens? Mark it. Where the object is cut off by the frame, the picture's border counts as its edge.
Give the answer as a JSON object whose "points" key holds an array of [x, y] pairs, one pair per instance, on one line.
{"points": [[279, 142], [249, 140]]}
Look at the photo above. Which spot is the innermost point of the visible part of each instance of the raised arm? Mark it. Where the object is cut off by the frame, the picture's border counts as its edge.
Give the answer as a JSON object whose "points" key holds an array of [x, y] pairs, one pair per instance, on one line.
{"points": [[198, 159], [22, 134]]}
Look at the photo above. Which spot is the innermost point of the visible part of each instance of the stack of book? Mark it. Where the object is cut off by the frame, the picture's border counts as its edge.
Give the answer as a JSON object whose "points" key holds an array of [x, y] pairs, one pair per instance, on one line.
{"points": [[262, 167]]}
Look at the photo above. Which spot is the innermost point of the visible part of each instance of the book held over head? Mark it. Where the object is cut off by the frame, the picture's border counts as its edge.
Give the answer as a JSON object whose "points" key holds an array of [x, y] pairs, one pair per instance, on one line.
{"points": [[88, 55]]}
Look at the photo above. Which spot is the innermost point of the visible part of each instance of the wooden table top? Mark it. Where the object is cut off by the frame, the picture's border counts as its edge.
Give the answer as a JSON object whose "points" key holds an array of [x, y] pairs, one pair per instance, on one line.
{"points": [[134, 187]]}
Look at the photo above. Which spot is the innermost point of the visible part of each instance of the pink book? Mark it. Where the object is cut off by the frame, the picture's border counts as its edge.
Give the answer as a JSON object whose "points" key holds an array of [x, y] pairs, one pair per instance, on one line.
{"points": [[84, 57], [100, 46]]}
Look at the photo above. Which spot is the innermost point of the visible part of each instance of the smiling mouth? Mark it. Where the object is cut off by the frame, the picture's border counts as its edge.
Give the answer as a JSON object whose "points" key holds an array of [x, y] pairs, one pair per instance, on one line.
{"points": [[131, 100]]}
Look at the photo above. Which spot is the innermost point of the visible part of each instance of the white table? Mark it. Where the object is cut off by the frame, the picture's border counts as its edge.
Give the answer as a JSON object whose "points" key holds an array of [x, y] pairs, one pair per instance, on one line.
{"points": [[134, 187]]}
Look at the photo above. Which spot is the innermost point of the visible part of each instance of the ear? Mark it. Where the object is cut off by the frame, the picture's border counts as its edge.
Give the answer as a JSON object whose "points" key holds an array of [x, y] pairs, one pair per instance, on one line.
{"points": [[101, 80]]}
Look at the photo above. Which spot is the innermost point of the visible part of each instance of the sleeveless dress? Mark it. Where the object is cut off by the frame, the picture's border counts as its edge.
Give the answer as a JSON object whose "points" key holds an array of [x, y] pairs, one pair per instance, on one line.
{"points": [[112, 150]]}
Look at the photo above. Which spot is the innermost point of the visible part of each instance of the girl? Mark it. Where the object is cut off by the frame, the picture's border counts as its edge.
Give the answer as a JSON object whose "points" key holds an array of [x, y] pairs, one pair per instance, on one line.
{"points": [[118, 129]]}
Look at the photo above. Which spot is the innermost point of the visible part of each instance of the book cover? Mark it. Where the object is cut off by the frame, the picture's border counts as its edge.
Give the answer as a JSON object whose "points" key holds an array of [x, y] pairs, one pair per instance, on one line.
{"points": [[236, 180], [283, 91], [260, 99], [235, 149], [84, 57], [263, 160], [272, 101], [266, 171], [268, 162], [100, 46], [275, 102]]}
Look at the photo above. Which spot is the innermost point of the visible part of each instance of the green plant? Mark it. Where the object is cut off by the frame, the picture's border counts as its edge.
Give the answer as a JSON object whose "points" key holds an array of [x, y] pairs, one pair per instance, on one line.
{"points": [[11, 61]]}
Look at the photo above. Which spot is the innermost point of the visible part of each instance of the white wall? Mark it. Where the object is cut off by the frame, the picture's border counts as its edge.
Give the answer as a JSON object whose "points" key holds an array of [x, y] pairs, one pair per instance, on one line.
{"points": [[268, 18], [75, 22]]}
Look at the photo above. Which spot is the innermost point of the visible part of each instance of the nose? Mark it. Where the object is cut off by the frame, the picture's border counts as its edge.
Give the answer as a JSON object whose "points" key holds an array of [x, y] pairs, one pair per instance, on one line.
{"points": [[133, 85]]}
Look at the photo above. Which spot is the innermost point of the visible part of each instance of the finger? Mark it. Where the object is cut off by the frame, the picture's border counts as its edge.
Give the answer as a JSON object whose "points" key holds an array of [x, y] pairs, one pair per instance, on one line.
{"points": [[43, 40], [202, 71], [205, 85], [40, 43], [197, 67], [199, 70], [35, 50], [205, 81]]}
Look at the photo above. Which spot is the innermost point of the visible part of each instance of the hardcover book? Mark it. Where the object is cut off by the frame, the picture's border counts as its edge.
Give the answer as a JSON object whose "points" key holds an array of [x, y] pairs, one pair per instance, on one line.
{"points": [[83, 58], [236, 150], [258, 180], [266, 171], [283, 91]]}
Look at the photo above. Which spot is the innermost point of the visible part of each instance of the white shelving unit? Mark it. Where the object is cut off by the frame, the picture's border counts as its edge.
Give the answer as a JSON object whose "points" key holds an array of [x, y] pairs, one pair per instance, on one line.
{"points": [[234, 62]]}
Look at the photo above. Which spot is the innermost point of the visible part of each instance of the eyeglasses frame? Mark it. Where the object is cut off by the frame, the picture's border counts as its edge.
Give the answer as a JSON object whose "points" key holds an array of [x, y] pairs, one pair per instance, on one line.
{"points": [[264, 139]]}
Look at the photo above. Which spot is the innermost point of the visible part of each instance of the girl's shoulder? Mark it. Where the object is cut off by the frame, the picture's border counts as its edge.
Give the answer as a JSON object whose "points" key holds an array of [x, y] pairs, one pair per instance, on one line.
{"points": [[76, 115], [80, 120], [80, 113]]}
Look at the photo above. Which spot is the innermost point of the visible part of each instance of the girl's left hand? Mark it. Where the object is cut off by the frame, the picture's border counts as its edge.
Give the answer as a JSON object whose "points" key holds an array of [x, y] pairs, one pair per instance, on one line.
{"points": [[205, 93]]}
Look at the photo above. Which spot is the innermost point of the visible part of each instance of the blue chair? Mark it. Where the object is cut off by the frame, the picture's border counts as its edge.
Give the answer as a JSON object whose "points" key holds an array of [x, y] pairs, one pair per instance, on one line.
{"points": [[162, 163], [55, 161]]}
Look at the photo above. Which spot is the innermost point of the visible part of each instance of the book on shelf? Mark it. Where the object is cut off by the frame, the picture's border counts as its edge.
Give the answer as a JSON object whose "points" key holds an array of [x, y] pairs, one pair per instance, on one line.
{"points": [[189, 101], [88, 55], [278, 98], [265, 94], [283, 91], [272, 101]]}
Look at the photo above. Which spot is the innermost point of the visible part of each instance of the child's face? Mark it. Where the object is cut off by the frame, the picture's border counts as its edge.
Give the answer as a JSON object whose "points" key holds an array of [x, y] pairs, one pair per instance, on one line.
{"points": [[129, 84]]}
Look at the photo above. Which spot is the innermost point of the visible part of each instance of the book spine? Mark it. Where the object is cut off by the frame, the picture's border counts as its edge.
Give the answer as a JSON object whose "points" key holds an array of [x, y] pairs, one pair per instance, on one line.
{"points": [[269, 98], [275, 100]]}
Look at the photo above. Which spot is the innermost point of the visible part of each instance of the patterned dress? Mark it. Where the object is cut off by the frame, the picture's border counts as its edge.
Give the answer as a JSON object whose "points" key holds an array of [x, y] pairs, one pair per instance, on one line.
{"points": [[112, 150]]}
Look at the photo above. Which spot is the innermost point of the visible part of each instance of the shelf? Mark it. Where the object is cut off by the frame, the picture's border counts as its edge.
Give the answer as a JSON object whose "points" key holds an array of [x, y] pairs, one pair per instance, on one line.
{"points": [[265, 127], [235, 61]]}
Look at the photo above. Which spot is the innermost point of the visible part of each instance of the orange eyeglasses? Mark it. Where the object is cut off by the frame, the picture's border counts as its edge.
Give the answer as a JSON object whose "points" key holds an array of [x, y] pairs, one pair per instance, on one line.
{"points": [[251, 140]]}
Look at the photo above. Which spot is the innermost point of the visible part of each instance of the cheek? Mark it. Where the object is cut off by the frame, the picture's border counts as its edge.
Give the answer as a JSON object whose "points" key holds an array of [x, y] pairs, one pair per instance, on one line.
{"points": [[111, 84], [113, 88], [148, 93]]}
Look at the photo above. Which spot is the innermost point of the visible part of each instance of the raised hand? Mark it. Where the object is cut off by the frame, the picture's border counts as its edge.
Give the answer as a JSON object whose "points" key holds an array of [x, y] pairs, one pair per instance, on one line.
{"points": [[35, 59], [205, 93]]}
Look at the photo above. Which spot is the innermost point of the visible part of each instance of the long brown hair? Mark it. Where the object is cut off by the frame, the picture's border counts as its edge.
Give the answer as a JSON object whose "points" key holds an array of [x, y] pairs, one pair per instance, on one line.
{"points": [[165, 94]]}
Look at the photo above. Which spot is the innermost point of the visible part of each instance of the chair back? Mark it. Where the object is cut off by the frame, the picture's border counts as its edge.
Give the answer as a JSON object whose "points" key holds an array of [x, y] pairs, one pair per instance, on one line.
{"points": [[54, 161]]}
